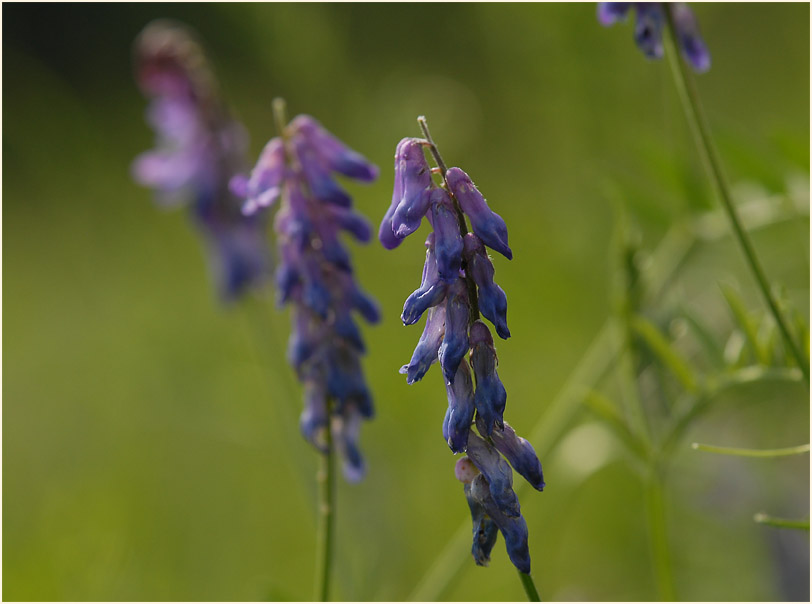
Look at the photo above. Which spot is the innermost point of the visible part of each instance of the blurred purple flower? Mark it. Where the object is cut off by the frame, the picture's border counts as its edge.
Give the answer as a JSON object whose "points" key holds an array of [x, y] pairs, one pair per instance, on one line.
{"points": [[315, 275], [199, 147], [456, 285], [648, 30]]}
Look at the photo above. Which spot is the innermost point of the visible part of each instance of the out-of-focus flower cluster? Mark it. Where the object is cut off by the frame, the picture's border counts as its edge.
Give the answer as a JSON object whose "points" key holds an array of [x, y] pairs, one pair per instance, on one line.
{"points": [[199, 147], [457, 285], [316, 277], [648, 29]]}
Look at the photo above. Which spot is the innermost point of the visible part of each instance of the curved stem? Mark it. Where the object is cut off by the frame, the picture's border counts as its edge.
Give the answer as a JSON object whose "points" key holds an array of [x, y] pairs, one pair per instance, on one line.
{"points": [[699, 126], [529, 587], [326, 512]]}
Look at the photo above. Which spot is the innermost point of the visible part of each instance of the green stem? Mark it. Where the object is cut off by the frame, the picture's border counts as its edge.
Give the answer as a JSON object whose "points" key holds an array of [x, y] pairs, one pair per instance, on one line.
{"points": [[326, 513], [529, 587], [658, 535], [699, 126]]}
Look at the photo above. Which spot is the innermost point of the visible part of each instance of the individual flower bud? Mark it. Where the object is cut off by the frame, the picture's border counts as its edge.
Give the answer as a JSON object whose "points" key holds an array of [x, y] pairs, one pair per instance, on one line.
{"points": [[313, 420], [519, 452], [425, 353], [448, 246], [345, 380], [304, 338], [287, 273], [346, 429], [490, 395], [497, 471], [487, 225], [455, 340], [358, 300], [465, 470], [264, 186], [414, 174], [612, 12], [350, 221], [317, 174], [513, 528], [386, 235], [690, 40], [347, 328], [460, 412], [648, 29], [492, 299], [333, 152], [431, 292], [485, 529], [315, 294]]}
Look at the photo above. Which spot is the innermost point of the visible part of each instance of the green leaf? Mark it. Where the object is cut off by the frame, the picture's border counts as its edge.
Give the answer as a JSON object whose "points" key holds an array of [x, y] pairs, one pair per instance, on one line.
{"points": [[604, 408], [745, 322], [662, 348]]}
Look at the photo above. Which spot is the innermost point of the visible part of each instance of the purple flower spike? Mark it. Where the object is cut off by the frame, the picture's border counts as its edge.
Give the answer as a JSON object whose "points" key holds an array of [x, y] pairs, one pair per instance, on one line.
{"points": [[425, 353], [413, 172], [448, 245], [335, 154], [519, 452], [612, 12], [485, 529], [432, 290], [457, 285], [648, 29], [199, 149], [455, 340], [490, 396], [513, 528], [690, 41], [488, 225], [497, 471], [492, 299], [317, 174], [460, 413]]}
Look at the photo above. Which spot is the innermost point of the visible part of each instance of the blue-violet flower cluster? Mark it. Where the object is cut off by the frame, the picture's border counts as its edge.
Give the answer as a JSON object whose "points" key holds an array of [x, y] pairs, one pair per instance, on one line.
{"points": [[315, 276], [199, 148], [648, 29], [457, 285]]}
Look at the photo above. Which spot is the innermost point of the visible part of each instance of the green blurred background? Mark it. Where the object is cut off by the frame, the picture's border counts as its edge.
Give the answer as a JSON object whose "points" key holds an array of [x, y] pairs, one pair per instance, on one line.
{"points": [[150, 442]]}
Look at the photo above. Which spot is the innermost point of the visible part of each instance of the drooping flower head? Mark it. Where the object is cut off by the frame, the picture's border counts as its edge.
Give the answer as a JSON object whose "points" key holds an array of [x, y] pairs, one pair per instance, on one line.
{"points": [[649, 24], [295, 172], [199, 147], [457, 285]]}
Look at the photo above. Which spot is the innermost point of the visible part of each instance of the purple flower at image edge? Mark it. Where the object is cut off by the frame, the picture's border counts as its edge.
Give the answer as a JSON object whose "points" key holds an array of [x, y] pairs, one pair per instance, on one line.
{"points": [[649, 24]]}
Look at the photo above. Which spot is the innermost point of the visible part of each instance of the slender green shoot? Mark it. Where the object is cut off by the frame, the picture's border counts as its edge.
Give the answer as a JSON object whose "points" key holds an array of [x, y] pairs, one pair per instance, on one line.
{"points": [[696, 118], [658, 536], [763, 518], [326, 513], [752, 452]]}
